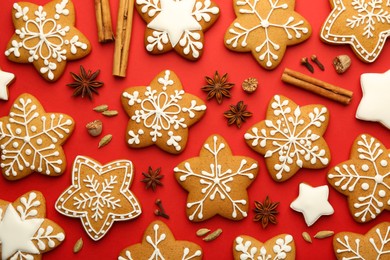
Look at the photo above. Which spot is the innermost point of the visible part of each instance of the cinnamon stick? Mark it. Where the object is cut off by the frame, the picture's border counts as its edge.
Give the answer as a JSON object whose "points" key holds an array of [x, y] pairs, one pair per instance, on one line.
{"points": [[103, 21], [317, 86], [123, 36]]}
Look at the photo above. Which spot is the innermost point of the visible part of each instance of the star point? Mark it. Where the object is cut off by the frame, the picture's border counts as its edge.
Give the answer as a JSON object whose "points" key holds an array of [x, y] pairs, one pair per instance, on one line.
{"points": [[6, 78]]}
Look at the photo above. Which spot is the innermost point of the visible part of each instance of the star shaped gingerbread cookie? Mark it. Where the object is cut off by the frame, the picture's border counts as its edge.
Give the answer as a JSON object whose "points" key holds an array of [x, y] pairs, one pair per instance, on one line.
{"points": [[99, 195], [176, 24], [25, 233], [161, 113], [363, 24], [266, 28], [46, 37], [31, 139]]}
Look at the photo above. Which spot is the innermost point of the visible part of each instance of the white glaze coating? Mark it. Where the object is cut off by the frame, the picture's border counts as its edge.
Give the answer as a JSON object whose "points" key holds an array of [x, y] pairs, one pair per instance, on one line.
{"points": [[5, 79]]}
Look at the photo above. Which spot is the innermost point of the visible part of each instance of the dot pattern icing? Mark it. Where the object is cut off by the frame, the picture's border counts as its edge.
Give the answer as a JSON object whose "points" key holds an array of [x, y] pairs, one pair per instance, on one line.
{"points": [[25, 233], [279, 247], [291, 137], [364, 179], [266, 28], [31, 139], [363, 24], [99, 195], [176, 24], [221, 181], [161, 113], [373, 245], [159, 243], [46, 37]]}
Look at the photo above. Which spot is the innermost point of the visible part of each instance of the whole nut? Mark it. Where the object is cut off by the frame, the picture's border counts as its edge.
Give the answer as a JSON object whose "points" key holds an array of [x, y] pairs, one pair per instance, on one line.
{"points": [[94, 128], [249, 85], [341, 63]]}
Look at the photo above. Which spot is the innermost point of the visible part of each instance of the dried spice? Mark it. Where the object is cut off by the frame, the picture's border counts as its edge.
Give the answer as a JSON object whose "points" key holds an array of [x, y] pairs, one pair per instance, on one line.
{"points": [[213, 235], [85, 83], [152, 178], [217, 87], [249, 85], [105, 140], [100, 108], [237, 114], [341, 63], [315, 59], [95, 127], [306, 237], [324, 234], [202, 231], [305, 62], [160, 211], [265, 212], [78, 245], [110, 113]]}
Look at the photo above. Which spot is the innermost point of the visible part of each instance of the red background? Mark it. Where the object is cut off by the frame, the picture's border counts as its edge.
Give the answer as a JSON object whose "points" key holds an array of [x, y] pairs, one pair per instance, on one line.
{"points": [[57, 97]]}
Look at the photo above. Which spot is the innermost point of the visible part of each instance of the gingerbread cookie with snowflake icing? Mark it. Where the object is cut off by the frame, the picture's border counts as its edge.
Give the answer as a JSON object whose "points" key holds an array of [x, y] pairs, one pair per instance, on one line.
{"points": [[31, 139], [279, 247], [178, 25], [161, 113], [375, 244], [290, 138], [216, 181], [25, 232], [363, 24], [265, 28], [99, 195], [365, 178], [46, 37], [158, 242]]}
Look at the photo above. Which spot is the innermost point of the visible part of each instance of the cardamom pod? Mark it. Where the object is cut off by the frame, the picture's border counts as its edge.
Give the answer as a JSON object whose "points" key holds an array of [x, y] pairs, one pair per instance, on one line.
{"points": [[306, 237], [203, 231], [100, 108], [105, 140], [78, 246], [324, 234], [110, 113], [213, 235]]}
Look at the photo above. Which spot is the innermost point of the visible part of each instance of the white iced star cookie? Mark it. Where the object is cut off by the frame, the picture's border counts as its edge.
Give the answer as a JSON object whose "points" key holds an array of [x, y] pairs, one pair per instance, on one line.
{"points": [[6, 78], [99, 195], [46, 37], [177, 24], [375, 105], [363, 24], [312, 202], [25, 233]]}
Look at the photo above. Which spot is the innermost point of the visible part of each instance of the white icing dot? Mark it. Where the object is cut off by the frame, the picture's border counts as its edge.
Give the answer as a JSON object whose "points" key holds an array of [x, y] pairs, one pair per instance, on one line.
{"points": [[28, 151], [365, 167], [18, 131], [39, 141], [382, 193], [33, 128], [365, 186], [384, 163], [15, 144], [69, 191]]}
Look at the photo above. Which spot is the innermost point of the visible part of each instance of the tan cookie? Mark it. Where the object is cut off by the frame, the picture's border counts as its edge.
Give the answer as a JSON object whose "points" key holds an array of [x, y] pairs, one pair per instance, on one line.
{"points": [[375, 244], [365, 178], [25, 233], [46, 37], [363, 24], [216, 181], [161, 113], [99, 195], [291, 138], [159, 243], [31, 139], [266, 28], [279, 247], [177, 25]]}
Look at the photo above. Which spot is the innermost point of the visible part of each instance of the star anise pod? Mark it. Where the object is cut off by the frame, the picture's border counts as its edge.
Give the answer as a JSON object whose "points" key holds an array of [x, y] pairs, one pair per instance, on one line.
{"points": [[265, 212], [237, 114], [152, 178], [85, 83], [217, 87]]}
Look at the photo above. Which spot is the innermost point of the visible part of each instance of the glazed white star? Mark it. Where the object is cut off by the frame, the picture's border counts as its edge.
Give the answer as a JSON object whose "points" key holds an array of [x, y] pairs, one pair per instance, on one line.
{"points": [[16, 233], [312, 202], [175, 18], [6, 79], [375, 105]]}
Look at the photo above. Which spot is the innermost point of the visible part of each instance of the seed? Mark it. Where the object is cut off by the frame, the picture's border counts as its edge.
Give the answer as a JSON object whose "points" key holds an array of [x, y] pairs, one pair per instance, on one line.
{"points": [[78, 246], [110, 113], [105, 140], [306, 237], [100, 108], [94, 128], [203, 231], [324, 234], [213, 235]]}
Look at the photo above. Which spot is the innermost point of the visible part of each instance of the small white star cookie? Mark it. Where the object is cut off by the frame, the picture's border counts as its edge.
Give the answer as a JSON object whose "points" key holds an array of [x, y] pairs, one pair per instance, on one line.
{"points": [[6, 78]]}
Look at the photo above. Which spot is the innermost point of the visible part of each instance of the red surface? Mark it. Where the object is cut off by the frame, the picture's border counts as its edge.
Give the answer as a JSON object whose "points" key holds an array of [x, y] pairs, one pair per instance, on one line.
{"points": [[342, 131]]}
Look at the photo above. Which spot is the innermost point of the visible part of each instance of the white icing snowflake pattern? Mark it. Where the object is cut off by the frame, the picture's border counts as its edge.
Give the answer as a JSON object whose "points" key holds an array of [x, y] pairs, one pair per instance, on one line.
{"points": [[226, 181], [374, 245], [44, 38], [155, 244], [246, 247], [260, 20], [24, 231], [161, 111], [177, 24], [99, 195], [292, 135], [365, 179], [30, 139]]}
